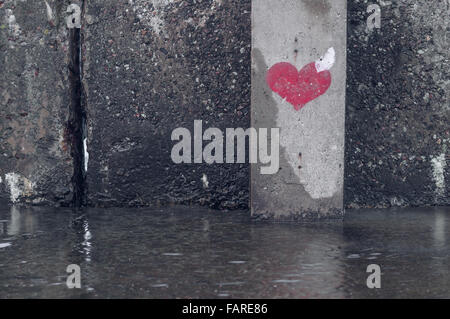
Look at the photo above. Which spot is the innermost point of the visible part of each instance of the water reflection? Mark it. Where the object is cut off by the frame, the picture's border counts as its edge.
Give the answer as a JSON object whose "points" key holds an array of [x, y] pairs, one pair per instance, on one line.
{"points": [[191, 253], [82, 248], [21, 221], [83, 235], [14, 224], [408, 244], [3, 227], [439, 229]]}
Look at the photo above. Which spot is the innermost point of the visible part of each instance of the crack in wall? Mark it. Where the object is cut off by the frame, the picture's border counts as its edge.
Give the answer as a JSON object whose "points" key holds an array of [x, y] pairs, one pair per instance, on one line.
{"points": [[77, 116]]}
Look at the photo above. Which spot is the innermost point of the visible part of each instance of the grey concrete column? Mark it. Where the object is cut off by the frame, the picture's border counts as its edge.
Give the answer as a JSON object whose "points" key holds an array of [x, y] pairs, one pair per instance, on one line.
{"points": [[305, 98]]}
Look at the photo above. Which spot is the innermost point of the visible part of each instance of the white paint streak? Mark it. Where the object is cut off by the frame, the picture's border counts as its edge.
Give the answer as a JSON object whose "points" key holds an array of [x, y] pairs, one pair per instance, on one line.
{"points": [[205, 181], [152, 18], [439, 164], [86, 155], [14, 27], [4, 245], [49, 12], [326, 62], [204, 14], [161, 3], [12, 179], [18, 186], [151, 13]]}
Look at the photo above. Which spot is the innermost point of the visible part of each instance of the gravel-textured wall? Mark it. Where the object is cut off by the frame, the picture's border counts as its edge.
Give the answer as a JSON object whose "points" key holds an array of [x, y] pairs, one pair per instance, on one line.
{"points": [[150, 67], [35, 162], [398, 93]]}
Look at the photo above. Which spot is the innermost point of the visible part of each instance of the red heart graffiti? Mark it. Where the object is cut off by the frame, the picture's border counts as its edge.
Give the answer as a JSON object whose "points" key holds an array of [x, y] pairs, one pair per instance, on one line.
{"points": [[298, 88]]}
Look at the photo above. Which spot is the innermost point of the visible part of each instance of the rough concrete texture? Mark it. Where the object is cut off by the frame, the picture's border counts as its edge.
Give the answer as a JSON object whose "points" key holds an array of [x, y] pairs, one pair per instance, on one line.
{"points": [[150, 67], [309, 184], [398, 93], [35, 162]]}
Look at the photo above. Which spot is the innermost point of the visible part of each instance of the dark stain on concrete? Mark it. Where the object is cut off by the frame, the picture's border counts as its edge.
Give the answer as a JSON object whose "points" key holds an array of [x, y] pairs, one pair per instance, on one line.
{"points": [[317, 7], [76, 118]]}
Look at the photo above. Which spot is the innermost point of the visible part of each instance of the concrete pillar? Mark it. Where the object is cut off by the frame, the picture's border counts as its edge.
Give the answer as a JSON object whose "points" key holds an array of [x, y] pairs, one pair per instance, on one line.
{"points": [[298, 85], [35, 145]]}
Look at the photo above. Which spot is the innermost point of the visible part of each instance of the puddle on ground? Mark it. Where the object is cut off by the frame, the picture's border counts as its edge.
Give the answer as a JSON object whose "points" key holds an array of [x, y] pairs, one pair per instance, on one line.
{"points": [[169, 253]]}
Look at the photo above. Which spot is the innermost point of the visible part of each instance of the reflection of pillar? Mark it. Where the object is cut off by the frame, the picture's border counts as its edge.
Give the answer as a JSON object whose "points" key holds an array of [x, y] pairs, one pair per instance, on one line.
{"points": [[3, 227], [439, 229], [30, 220], [14, 225], [299, 262], [81, 252], [439, 262], [22, 220], [82, 244], [298, 85], [87, 243]]}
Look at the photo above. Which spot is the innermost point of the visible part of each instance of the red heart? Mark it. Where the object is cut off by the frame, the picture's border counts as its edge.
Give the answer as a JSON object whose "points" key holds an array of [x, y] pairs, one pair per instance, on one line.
{"points": [[298, 88]]}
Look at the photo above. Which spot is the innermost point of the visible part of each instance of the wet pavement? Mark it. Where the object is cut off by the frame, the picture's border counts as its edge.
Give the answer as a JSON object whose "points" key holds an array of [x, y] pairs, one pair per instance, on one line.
{"points": [[196, 253]]}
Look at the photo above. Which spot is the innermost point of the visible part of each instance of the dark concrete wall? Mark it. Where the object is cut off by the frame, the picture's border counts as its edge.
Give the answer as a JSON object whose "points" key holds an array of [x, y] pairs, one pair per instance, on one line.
{"points": [[398, 93], [150, 67], [35, 162]]}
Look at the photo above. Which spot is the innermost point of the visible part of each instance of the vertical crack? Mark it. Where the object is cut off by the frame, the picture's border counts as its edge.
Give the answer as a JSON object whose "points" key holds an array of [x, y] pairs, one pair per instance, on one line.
{"points": [[77, 116]]}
